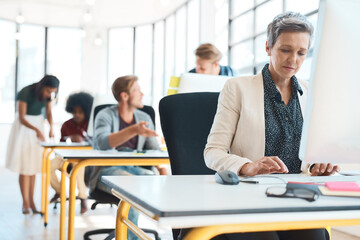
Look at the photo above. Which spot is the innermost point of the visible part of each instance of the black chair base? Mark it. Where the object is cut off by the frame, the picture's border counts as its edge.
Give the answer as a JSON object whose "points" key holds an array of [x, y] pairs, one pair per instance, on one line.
{"points": [[111, 233]]}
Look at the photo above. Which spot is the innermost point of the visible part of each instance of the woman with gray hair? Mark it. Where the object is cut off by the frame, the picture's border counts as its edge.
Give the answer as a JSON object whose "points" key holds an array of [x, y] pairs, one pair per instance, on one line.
{"points": [[258, 124]]}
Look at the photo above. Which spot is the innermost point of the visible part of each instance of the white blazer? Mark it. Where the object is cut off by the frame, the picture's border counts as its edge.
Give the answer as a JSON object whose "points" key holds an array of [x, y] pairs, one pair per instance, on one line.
{"points": [[237, 135]]}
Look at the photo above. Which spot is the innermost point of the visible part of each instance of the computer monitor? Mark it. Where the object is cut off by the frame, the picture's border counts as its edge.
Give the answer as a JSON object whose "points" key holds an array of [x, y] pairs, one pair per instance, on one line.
{"points": [[331, 130], [194, 82]]}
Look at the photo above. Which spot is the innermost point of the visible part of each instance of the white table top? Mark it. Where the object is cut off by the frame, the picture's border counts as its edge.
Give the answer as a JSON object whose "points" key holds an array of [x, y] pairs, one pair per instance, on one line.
{"points": [[64, 144], [111, 154], [187, 201]]}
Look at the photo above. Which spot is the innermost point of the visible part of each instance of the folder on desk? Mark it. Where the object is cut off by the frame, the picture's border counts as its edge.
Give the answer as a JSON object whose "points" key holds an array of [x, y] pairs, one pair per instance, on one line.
{"points": [[341, 189], [326, 192]]}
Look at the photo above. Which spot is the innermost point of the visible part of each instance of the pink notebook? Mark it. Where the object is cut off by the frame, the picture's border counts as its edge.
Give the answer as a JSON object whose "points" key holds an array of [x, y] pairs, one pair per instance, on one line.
{"points": [[343, 186]]}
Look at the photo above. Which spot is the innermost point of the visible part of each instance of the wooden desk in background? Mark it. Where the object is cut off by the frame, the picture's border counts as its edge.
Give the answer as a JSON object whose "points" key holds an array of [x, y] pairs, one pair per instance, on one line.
{"points": [[97, 158], [45, 173]]}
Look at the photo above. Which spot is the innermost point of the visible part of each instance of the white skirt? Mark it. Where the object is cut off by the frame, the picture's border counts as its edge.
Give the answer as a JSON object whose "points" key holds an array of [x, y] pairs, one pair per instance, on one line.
{"points": [[24, 153]]}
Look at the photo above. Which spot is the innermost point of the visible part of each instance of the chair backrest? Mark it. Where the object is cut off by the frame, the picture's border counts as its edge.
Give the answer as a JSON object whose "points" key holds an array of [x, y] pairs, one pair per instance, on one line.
{"points": [[186, 120], [99, 99], [147, 109]]}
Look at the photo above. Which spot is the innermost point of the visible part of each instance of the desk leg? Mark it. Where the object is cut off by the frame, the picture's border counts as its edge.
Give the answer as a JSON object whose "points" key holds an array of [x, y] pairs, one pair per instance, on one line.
{"points": [[72, 198], [47, 183], [63, 200], [121, 229], [43, 172]]}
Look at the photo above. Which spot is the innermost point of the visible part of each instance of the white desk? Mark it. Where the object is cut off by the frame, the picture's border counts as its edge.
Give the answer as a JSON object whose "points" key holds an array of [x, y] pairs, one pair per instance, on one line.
{"points": [[45, 174], [97, 158], [197, 201]]}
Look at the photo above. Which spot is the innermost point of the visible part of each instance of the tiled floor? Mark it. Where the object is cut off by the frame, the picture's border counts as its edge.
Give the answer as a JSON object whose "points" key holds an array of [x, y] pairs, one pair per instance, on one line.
{"points": [[15, 226]]}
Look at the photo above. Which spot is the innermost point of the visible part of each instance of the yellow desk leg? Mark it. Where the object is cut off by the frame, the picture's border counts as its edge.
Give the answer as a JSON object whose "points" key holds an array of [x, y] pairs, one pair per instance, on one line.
{"points": [[43, 172], [121, 229], [63, 200], [99, 162], [46, 192], [73, 175]]}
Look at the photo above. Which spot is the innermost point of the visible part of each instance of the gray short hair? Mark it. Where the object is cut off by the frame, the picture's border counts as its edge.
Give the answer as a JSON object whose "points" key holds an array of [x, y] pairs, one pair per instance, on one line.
{"points": [[288, 22]]}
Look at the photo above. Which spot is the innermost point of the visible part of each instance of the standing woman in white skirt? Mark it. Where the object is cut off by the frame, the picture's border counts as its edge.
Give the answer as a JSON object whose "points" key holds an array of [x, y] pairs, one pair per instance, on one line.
{"points": [[24, 153]]}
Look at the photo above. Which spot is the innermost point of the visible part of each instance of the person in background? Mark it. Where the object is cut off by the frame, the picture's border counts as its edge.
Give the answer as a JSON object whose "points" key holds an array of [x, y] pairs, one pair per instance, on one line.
{"points": [[207, 61], [123, 127], [24, 154], [74, 130], [258, 124]]}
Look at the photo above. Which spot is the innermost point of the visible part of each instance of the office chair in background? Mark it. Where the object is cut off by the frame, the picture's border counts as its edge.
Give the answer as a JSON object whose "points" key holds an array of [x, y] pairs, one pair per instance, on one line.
{"points": [[101, 197]]}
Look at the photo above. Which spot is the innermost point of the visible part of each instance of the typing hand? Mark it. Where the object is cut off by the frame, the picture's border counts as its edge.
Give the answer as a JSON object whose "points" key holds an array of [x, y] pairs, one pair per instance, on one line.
{"points": [[324, 169], [142, 130], [265, 165]]}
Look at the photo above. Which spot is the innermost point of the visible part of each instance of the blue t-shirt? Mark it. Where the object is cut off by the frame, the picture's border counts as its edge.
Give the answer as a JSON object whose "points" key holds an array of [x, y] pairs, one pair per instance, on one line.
{"points": [[224, 71]]}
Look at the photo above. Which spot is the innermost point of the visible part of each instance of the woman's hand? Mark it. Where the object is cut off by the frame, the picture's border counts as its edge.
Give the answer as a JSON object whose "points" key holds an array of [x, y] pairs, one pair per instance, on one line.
{"points": [[51, 133], [39, 135], [265, 165], [76, 138], [324, 169]]}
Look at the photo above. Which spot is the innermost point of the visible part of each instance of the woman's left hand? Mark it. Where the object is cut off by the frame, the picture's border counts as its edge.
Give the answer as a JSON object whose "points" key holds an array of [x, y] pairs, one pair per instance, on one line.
{"points": [[324, 169], [51, 133]]}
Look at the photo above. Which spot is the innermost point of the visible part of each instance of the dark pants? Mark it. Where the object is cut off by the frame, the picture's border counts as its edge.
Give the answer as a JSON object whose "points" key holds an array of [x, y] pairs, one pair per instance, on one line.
{"points": [[308, 234]]}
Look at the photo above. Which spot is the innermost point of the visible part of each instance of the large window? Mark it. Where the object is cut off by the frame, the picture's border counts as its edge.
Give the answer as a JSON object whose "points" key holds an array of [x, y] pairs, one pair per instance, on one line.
{"points": [[160, 50], [143, 60], [180, 41], [31, 66], [193, 29], [121, 44], [64, 61], [222, 29], [169, 49], [7, 70], [30, 43], [158, 90], [249, 20]]}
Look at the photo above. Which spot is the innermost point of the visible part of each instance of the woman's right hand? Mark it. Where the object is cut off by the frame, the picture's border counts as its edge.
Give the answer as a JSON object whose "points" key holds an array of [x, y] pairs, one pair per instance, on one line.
{"points": [[265, 165], [39, 135]]}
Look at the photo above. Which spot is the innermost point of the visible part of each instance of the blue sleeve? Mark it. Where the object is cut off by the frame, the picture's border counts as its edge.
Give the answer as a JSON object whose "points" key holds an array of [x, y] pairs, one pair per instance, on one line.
{"points": [[192, 70]]}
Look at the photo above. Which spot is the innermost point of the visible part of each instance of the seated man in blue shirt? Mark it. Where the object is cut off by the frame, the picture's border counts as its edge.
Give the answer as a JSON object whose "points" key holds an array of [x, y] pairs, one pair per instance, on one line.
{"points": [[123, 127], [207, 61]]}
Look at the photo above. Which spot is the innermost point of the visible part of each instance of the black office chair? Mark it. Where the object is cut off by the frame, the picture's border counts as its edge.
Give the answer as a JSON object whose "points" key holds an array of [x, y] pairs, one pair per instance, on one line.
{"points": [[186, 120], [101, 197], [147, 109]]}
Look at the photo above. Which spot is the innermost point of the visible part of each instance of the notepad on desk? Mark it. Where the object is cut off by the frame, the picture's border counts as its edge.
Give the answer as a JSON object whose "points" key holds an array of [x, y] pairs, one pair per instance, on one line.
{"points": [[343, 189]]}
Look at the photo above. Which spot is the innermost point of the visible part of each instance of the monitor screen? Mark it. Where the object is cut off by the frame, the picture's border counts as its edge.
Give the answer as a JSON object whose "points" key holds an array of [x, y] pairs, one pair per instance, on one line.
{"points": [[194, 82], [331, 131]]}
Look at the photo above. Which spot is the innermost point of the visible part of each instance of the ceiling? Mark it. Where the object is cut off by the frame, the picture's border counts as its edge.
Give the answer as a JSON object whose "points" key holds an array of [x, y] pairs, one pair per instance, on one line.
{"points": [[105, 13]]}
